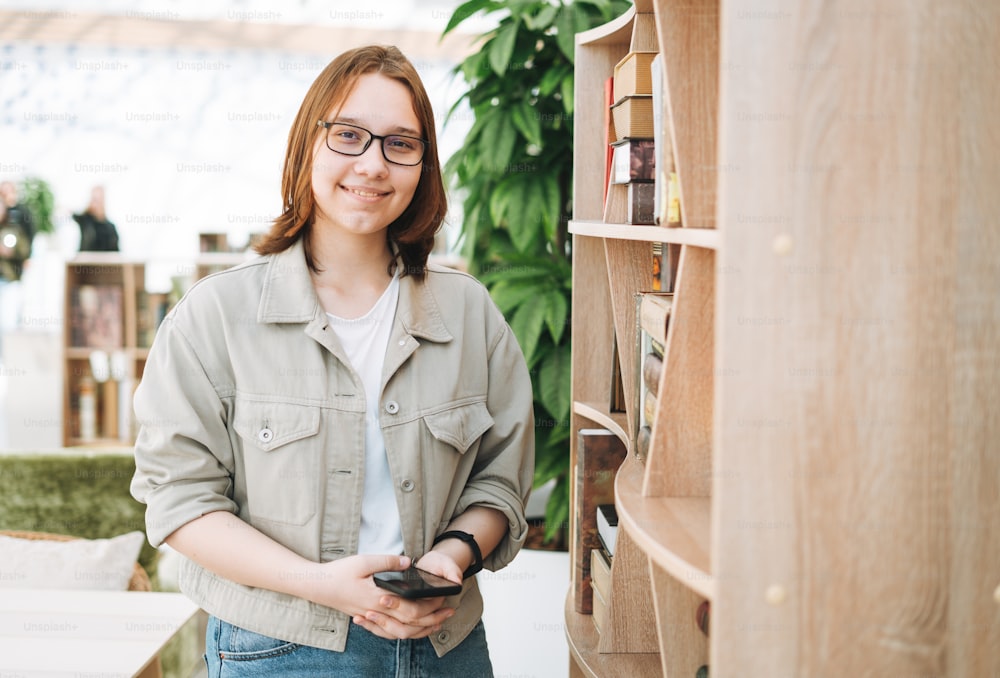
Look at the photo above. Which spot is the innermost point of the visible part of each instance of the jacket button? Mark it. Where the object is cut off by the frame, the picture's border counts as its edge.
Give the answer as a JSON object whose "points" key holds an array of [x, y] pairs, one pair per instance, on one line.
{"points": [[443, 636], [265, 435], [407, 485], [392, 407]]}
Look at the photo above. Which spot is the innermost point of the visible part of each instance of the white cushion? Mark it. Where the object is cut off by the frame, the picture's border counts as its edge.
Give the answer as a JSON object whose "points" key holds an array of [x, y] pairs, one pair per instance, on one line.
{"points": [[105, 564]]}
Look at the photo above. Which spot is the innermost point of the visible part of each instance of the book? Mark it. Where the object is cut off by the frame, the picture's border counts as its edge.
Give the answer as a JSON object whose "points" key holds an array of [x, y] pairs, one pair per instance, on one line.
{"points": [[666, 259], [674, 201], [97, 316], [633, 161], [609, 132], [600, 580], [607, 528], [652, 368], [617, 396], [654, 315], [642, 441], [640, 203], [633, 117], [648, 407], [600, 609], [633, 75], [661, 142], [599, 454]]}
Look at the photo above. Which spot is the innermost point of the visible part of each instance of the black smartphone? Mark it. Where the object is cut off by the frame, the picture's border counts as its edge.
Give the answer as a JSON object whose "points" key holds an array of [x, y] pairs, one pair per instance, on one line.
{"points": [[416, 583]]}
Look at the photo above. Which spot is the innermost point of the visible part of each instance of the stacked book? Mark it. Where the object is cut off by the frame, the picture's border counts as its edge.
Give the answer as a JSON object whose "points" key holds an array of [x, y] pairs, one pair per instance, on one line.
{"points": [[652, 313], [600, 562], [633, 161]]}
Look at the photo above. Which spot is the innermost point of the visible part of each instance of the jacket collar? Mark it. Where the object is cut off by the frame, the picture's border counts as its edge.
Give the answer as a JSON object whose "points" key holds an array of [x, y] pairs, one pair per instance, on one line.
{"points": [[288, 297]]}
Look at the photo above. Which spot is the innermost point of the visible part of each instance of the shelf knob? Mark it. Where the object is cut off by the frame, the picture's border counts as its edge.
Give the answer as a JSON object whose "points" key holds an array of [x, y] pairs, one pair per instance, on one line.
{"points": [[782, 245], [775, 594], [996, 594]]}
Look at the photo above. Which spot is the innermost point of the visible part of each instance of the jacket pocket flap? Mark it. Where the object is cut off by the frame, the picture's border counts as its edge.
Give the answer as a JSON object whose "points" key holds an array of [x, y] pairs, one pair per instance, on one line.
{"points": [[460, 426], [269, 426]]}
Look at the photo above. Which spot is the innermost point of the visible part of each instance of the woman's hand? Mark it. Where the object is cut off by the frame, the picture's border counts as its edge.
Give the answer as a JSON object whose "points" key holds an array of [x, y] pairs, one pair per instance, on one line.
{"points": [[344, 584], [371, 607], [443, 564]]}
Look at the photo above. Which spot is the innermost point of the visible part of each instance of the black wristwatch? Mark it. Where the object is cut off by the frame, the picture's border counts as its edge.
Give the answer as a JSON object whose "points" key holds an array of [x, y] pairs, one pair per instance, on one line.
{"points": [[477, 555]]}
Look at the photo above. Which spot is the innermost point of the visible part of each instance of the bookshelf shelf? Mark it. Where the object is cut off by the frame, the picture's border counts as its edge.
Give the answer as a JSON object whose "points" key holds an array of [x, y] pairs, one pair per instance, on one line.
{"points": [[584, 640], [599, 414], [675, 532], [707, 238]]}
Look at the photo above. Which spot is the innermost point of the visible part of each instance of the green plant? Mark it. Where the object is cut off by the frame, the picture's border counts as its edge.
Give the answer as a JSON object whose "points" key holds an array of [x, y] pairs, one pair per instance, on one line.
{"points": [[37, 198], [514, 173]]}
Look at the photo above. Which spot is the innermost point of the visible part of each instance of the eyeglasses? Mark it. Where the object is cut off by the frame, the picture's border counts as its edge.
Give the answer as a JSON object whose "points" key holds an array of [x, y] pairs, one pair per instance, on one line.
{"points": [[398, 149]]}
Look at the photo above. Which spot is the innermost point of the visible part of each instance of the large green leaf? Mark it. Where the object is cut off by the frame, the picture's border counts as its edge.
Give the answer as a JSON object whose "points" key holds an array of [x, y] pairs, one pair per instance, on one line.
{"points": [[528, 322], [496, 143], [553, 382], [501, 47], [542, 20], [557, 314], [508, 296], [550, 204], [467, 9], [571, 20], [528, 122]]}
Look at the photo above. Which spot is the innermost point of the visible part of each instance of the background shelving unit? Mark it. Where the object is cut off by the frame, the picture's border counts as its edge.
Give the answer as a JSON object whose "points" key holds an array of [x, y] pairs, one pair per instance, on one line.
{"points": [[133, 317], [823, 462], [128, 276]]}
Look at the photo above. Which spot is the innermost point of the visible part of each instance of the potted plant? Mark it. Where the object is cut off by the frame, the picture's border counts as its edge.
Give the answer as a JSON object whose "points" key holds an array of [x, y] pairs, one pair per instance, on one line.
{"points": [[514, 174], [37, 197]]}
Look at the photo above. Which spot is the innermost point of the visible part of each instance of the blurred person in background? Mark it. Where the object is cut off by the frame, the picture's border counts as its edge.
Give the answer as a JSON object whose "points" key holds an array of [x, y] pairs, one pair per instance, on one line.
{"points": [[97, 233], [17, 232]]}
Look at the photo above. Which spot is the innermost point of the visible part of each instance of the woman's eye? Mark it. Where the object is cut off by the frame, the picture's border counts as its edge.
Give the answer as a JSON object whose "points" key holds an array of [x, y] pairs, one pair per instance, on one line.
{"points": [[401, 143]]}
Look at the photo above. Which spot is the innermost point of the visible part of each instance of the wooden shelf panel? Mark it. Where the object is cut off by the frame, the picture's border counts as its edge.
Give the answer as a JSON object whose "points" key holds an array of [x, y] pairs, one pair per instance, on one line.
{"points": [[583, 638], [616, 32], [599, 414], [708, 238], [674, 531], [689, 43]]}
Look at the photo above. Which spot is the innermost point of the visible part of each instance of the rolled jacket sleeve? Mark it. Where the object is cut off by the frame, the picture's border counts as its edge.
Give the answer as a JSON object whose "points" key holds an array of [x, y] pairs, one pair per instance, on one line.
{"points": [[183, 454], [504, 469]]}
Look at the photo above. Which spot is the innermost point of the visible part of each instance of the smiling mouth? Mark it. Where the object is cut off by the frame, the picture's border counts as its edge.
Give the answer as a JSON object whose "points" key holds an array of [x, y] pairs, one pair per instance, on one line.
{"points": [[365, 193]]}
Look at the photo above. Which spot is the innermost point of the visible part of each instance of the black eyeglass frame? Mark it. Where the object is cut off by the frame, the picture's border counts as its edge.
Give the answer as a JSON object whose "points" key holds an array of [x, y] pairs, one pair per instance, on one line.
{"points": [[325, 124]]}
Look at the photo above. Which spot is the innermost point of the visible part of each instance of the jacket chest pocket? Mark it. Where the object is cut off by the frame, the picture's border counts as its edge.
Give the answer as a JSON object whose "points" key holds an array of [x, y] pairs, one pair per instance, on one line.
{"points": [[281, 455], [459, 427]]}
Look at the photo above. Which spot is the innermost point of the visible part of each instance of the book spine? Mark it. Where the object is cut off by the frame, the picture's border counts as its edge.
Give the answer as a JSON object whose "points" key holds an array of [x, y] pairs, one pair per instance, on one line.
{"points": [[642, 442], [600, 453], [652, 368]]}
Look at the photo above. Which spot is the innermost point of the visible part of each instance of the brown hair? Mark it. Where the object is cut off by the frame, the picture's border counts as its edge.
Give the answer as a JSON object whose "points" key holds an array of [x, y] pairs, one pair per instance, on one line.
{"points": [[412, 233]]}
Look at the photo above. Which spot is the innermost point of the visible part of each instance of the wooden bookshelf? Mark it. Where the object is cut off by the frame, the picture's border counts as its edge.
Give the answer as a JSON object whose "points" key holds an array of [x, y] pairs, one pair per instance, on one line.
{"points": [[822, 465], [107, 319]]}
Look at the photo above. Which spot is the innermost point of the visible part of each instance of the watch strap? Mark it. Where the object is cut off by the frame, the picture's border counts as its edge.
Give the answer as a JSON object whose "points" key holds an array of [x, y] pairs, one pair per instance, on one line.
{"points": [[477, 555]]}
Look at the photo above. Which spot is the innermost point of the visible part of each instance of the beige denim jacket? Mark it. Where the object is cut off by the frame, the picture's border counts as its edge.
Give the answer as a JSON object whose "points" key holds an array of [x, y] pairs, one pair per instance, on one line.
{"points": [[247, 404]]}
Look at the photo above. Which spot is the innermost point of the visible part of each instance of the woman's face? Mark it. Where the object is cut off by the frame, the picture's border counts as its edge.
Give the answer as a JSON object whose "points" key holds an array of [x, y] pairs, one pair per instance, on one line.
{"points": [[363, 194]]}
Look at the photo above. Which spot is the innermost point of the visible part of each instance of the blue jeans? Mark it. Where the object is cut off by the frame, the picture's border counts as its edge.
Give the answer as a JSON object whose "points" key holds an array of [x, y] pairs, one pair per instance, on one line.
{"points": [[232, 652]]}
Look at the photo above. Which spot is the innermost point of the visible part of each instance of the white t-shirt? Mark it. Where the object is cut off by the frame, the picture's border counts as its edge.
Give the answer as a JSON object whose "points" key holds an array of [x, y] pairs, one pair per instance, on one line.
{"points": [[365, 340]]}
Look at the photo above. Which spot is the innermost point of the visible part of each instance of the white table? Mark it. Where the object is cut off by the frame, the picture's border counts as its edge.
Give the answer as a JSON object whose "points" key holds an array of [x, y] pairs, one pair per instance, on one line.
{"points": [[87, 633]]}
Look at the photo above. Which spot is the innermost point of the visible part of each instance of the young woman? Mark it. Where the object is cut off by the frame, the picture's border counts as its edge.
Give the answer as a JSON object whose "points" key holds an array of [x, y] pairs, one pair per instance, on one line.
{"points": [[338, 407]]}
